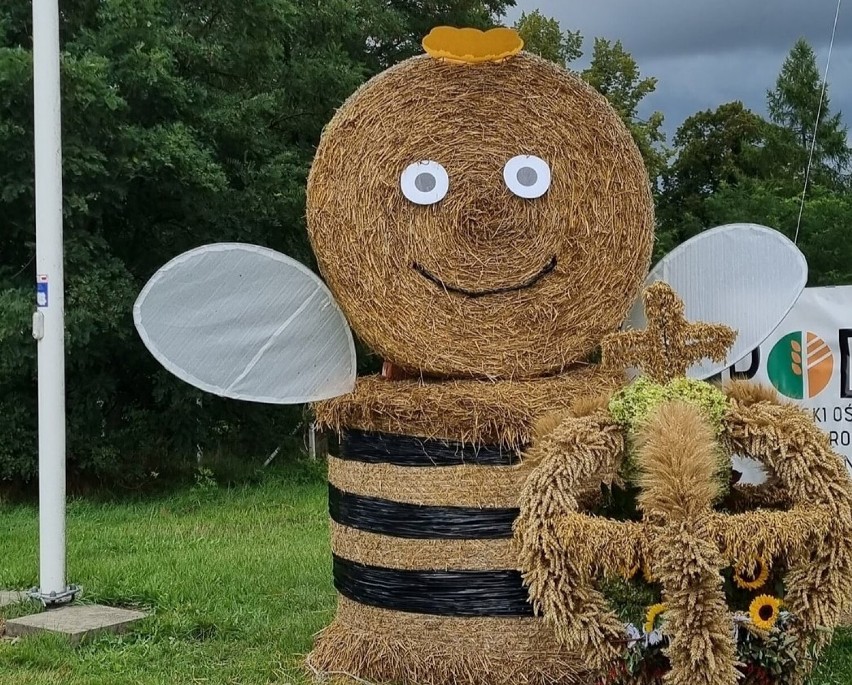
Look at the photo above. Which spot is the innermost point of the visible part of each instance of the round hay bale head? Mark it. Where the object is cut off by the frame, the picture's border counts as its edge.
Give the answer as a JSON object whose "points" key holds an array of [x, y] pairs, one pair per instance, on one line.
{"points": [[520, 244]]}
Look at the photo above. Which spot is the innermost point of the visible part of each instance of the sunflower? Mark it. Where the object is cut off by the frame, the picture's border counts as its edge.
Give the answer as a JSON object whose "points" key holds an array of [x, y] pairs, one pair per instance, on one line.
{"points": [[652, 615], [751, 581], [764, 612]]}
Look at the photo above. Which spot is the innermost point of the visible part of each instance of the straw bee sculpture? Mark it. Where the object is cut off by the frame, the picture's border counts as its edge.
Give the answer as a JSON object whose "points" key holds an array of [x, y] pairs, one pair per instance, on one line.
{"points": [[437, 205], [482, 219]]}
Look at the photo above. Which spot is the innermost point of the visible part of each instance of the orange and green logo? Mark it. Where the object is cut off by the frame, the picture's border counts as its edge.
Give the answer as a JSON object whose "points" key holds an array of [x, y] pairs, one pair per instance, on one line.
{"points": [[800, 365]]}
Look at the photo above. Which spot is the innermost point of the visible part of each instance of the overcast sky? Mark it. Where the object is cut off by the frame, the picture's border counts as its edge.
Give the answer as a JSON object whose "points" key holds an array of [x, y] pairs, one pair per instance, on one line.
{"points": [[708, 52]]}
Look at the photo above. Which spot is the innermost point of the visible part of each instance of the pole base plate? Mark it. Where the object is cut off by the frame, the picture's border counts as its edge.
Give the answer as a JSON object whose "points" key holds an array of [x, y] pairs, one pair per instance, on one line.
{"points": [[55, 598]]}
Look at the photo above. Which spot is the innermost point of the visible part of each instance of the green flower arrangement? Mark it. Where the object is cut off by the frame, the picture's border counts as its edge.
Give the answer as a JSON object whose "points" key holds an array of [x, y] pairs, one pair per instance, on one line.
{"points": [[633, 405]]}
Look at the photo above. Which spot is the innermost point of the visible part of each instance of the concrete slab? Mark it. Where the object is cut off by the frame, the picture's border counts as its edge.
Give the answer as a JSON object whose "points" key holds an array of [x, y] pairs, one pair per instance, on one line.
{"points": [[7, 598], [77, 622]]}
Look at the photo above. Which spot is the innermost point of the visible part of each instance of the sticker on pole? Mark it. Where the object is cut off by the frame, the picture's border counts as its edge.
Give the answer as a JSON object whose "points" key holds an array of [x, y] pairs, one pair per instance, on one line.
{"points": [[42, 291], [245, 322]]}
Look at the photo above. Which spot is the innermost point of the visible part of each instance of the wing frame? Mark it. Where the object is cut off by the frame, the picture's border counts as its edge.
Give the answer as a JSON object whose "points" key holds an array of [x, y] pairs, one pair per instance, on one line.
{"points": [[192, 379]]}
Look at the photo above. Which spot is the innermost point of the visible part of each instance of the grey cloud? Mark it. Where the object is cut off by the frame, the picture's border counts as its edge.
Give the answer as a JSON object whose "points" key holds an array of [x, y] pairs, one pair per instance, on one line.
{"points": [[708, 52], [653, 28], [693, 83]]}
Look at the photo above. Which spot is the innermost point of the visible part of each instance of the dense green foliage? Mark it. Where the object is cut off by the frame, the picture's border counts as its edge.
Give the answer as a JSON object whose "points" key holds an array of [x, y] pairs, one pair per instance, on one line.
{"points": [[190, 122], [184, 123], [544, 36]]}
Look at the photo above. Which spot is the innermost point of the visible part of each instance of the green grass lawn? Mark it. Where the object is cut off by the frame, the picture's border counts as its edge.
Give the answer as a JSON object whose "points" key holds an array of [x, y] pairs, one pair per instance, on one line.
{"points": [[237, 579]]}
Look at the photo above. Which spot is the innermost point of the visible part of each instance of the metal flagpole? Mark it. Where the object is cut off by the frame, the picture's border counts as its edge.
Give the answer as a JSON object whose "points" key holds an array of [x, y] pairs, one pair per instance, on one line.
{"points": [[49, 318]]}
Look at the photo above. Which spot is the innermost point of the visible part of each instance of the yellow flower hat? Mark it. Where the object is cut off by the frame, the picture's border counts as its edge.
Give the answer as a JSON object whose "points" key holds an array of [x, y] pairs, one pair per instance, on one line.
{"points": [[472, 45]]}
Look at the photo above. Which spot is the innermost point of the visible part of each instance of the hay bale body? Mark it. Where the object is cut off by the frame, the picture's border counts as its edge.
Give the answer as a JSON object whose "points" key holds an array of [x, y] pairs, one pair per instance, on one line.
{"points": [[377, 646], [483, 283], [421, 631], [476, 412]]}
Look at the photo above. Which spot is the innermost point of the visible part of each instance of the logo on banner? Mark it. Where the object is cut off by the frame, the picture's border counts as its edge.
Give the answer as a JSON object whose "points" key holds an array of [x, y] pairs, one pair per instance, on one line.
{"points": [[800, 365]]}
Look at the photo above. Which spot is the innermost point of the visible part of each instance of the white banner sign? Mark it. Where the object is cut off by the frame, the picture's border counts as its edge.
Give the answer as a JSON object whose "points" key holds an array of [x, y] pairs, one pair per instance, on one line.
{"points": [[807, 361]]}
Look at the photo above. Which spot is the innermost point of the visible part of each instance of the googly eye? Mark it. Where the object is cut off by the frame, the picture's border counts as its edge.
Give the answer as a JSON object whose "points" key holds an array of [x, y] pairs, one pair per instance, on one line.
{"points": [[425, 183], [527, 176]]}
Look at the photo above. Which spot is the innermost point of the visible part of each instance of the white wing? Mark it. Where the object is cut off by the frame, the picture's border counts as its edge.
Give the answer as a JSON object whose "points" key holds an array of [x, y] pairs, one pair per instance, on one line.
{"points": [[743, 275], [246, 322]]}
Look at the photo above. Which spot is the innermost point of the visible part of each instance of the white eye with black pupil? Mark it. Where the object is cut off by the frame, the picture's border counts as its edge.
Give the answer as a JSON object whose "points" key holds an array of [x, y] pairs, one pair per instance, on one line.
{"points": [[425, 183], [527, 176]]}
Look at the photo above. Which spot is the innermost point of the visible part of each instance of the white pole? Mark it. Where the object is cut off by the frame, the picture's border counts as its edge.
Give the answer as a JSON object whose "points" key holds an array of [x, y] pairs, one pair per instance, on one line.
{"points": [[50, 330]]}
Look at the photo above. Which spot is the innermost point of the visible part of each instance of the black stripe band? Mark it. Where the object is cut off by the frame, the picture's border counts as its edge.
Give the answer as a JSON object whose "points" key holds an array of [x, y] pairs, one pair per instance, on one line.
{"points": [[439, 593], [402, 520], [406, 450]]}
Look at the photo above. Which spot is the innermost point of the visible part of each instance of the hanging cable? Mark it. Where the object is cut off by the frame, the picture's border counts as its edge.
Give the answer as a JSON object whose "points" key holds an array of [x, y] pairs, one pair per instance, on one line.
{"points": [[816, 125]]}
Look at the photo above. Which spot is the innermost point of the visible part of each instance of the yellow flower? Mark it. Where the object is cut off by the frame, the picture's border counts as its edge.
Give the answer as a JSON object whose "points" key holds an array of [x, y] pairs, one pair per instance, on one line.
{"points": [[764, 612], [651, 617], [751, 581]]}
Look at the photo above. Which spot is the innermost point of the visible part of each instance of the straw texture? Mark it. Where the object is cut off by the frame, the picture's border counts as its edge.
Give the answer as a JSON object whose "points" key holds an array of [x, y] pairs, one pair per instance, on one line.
{"points": [[786, 440], [563, 551], [434, 555], [483, 283], [475, 412], [682, 541], [378, 646], [578, 454], [678, 462], [468, 651], [670, 344], [461, 486]]}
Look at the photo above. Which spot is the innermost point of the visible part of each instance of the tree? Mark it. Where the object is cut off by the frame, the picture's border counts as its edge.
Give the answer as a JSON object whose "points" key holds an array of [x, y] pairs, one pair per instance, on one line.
{"points": [[184, 123], [544, 37], [716, 147], [824, 233], [732, 165], [712, 149], [394, 28], [615, 74], [793, 105]]}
